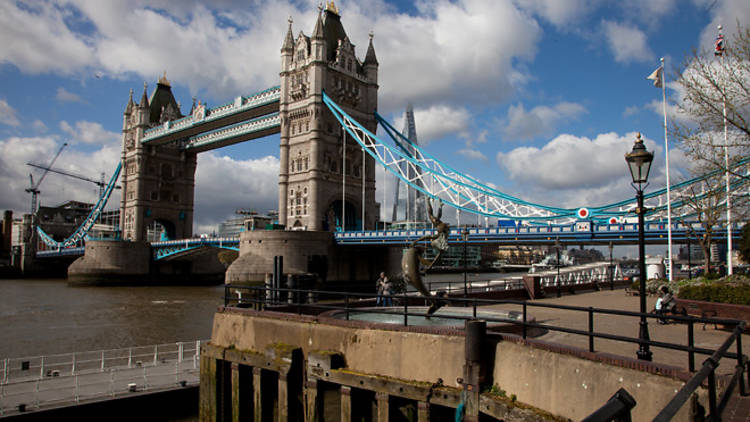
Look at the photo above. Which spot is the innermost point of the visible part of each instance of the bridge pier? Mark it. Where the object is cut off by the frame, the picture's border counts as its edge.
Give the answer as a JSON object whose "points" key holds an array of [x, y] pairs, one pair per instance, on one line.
{"points": [[111, 262], [309, 252]]}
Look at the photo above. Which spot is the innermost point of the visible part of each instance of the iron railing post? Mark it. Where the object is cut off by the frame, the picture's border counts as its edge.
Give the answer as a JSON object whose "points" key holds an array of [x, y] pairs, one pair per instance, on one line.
{"points": [[591, 329], [346, 306], [406, 311], [741, 365], [712, 392], [524, 320], [691, 345], [475, 308]]}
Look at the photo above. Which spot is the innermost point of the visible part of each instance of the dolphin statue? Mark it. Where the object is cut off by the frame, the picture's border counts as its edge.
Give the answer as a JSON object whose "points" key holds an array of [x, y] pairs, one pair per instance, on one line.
{"points": [[410, 266]]}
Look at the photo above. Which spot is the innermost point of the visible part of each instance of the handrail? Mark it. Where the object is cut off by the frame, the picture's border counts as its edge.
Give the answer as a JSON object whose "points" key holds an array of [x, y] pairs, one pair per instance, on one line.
{"points": [[708, 370]]}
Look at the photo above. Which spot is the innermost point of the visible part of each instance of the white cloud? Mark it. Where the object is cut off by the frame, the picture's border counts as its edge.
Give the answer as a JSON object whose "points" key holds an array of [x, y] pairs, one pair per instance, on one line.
{"points": [[90, 133], [437, 122], [15, 152], [66, 96], [578, 171], [197, 48], [254, 186], [726, 13], [628, 44], [539, 121], [8, 114], [36, 39], [472, 154]]}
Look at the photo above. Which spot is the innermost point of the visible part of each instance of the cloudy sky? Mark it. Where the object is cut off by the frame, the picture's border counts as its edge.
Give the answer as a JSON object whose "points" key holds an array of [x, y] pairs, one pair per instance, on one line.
{"points": [[539, 98]]}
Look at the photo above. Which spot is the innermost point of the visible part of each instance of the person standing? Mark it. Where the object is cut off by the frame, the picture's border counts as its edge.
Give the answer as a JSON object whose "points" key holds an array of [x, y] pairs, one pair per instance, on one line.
{"points": [[387, 292], [379, 284]]}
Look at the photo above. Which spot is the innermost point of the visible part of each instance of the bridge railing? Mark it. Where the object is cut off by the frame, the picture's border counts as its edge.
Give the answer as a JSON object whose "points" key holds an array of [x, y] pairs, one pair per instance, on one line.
{"points": [[44, 381]]}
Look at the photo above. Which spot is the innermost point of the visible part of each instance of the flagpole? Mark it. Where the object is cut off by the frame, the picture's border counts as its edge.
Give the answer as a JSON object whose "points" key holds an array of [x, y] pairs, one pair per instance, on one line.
{"points": [[666, 149], [726, 164]]}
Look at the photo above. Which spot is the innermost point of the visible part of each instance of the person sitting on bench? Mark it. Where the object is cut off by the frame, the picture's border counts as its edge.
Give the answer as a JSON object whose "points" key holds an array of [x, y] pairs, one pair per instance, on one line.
{"points": [[665, 303]]}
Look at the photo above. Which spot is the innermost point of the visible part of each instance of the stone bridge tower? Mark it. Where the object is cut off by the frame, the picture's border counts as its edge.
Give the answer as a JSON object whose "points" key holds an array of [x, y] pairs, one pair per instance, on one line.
{"points": [[311, 177], [157, 182]]}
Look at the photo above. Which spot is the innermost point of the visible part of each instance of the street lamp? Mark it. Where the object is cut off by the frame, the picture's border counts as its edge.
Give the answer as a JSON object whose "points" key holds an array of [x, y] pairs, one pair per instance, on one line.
{"points": [[465, 238], [639, 162], [557, 249]]}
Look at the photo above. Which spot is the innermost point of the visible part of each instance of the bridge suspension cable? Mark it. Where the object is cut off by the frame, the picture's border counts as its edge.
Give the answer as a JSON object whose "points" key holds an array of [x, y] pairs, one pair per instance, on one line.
{"points": [[426, 174], [80, 233]]}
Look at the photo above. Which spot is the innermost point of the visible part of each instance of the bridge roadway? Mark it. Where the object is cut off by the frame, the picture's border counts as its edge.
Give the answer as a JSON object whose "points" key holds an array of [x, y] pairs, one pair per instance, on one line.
{"points": [[245, 118], [46, 382], [576, 234]]}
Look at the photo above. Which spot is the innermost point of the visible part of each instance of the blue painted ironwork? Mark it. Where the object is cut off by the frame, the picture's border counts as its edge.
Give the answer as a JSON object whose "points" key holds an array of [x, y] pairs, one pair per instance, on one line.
{"points": [[440, 181], [172, 248], [271, 121], [240, 104], [82, 230], [576, 233]]}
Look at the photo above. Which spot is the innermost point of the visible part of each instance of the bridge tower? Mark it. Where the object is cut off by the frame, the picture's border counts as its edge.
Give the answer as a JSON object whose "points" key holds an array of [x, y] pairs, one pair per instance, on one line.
{"points": [[157, 182], [312, 180]]}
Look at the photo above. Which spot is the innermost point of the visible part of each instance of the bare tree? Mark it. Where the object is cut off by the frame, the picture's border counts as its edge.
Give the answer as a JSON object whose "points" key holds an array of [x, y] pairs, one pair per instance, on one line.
{"points": [[708, 84], [703, 209]]}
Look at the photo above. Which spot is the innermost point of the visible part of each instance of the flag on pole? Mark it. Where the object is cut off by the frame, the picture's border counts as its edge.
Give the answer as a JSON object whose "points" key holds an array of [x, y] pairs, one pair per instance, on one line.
{"points": [[656, 76], [719, 46]]}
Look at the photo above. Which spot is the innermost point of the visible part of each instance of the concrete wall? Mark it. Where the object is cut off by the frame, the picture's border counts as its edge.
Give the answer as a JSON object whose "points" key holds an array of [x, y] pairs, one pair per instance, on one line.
{"points": [[111, 260], [561, 381]]}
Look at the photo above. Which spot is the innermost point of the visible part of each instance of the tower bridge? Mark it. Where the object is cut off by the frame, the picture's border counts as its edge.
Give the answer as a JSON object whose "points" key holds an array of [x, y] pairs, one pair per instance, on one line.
{"points": [[324, 110]]}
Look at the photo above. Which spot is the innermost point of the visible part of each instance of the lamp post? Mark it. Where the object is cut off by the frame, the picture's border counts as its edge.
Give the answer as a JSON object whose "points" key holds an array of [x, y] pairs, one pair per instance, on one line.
{"points": [[465, 238], [611, 268], [557, 249], [639, 162]]}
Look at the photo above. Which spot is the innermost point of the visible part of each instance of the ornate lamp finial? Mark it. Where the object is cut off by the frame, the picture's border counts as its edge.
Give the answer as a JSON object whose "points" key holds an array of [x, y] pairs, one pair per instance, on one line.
{"points": [[290, 20]]}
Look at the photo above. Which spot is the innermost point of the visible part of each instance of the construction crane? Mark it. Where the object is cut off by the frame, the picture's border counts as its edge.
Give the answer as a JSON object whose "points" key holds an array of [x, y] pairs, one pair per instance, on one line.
{"points": [[101, 183], [33, 188]]}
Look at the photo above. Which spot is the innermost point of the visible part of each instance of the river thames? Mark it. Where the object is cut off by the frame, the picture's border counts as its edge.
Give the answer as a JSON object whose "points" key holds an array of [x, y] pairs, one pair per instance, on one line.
{"points": [[46, 316]]}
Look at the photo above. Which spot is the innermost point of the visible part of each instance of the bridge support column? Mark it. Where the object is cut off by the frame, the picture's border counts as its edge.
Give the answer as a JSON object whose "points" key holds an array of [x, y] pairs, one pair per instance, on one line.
{"points": [[423, 411]]}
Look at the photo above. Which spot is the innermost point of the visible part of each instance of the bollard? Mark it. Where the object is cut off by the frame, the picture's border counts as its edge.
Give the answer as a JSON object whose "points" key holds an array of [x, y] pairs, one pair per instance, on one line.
{"points": [[475, 332]]}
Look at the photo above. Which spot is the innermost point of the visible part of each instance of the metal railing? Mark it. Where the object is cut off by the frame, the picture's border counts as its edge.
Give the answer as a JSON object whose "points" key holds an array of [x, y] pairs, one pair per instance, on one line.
{"points": [[314, 302], [45, 381], [708, 371]]}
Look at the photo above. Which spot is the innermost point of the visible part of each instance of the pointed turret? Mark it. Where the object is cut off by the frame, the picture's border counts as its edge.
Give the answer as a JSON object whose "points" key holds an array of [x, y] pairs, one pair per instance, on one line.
{"points": [[144, 97], [370, 56], [318, 33], [289, 39], [130, 105]]}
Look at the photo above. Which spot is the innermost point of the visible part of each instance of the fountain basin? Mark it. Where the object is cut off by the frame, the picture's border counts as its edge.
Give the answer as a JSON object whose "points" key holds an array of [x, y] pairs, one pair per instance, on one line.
{"points": [[446, 317]]}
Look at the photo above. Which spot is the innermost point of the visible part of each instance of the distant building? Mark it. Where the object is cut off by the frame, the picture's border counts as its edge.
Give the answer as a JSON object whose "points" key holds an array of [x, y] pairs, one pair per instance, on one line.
{"points": [[61, 221]]}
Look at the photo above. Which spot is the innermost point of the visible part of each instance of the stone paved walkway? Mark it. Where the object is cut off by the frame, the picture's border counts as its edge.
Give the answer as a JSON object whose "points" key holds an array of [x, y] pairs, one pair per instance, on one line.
{"points": [[737, 410]]}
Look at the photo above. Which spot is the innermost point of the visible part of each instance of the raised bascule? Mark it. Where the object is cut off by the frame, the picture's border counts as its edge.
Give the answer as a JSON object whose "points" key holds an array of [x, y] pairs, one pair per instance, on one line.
{"points": [[325, 110]]}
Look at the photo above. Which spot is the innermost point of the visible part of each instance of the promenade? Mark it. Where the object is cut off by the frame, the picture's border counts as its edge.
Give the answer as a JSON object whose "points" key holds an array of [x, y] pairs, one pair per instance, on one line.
{"points": [[707, 337]]}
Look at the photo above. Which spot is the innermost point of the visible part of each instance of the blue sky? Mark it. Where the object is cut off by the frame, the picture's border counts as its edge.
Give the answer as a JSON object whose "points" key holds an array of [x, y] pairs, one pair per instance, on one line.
{"points": [[540, 98]]}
